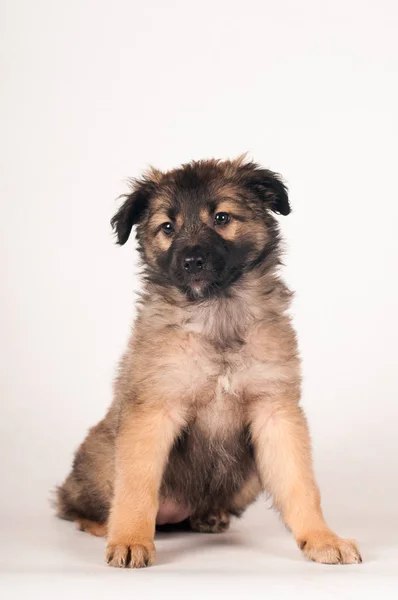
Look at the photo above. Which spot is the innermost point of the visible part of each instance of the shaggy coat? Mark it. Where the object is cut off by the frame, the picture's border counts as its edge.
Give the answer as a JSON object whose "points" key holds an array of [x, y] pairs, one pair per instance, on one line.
{"points": [[206, 409]]}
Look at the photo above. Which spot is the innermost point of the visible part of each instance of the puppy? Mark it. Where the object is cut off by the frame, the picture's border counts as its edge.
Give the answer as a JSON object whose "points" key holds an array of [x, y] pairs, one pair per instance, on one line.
{"points": [[206, 408]]}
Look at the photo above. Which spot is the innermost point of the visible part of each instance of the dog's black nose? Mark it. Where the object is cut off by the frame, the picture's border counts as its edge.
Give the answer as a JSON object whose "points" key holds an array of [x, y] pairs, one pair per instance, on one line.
{"points": [[193, 260]]}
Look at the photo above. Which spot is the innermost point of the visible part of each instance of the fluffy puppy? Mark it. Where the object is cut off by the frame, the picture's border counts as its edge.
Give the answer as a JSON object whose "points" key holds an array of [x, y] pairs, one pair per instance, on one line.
{"points": [[206, 401]]}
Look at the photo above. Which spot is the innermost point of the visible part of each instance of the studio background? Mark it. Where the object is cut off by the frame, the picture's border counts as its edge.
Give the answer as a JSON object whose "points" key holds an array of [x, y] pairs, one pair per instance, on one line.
{"points": [[91, 93]]}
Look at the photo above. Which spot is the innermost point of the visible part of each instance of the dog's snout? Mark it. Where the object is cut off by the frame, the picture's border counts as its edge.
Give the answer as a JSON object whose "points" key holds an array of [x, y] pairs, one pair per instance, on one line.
{"points": [[193, 260], [193, 264]]}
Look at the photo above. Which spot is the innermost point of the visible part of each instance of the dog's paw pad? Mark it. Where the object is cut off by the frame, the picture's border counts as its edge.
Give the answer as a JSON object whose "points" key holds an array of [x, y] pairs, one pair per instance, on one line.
{"points": [[214, 523]]}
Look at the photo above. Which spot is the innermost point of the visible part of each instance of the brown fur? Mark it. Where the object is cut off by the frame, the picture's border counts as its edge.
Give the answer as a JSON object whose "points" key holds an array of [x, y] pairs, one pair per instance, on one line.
{"points": [[206, 404]]}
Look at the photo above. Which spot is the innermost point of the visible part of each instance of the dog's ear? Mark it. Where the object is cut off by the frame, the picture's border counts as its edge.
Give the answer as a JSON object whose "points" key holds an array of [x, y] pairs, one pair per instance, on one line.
{"points": [[268, 186], [134, 207]]}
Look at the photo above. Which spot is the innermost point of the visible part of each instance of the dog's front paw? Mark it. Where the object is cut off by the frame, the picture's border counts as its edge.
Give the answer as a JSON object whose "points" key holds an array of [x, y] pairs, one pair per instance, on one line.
{"points": [[131, 555], [326, 547]]}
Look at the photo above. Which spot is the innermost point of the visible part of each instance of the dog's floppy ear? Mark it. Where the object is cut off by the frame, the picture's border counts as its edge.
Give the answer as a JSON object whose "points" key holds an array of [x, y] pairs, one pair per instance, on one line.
{"points": [[268, 186], [133, 208]]}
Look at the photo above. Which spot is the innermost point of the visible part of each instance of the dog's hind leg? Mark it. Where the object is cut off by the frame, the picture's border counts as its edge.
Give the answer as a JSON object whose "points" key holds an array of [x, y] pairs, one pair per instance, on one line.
{"points": [[213, 522], [247, 494], [86, 494], [92, 527]]}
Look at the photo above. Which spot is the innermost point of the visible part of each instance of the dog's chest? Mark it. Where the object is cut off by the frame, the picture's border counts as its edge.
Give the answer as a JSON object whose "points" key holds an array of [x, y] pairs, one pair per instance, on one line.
{"points": [[219, 412], [218, 398], [223, 353]]}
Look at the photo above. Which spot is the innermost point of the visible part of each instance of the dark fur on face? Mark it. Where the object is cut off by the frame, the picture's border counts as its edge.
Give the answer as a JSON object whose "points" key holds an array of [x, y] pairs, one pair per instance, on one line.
{"points": [[202, 226]]}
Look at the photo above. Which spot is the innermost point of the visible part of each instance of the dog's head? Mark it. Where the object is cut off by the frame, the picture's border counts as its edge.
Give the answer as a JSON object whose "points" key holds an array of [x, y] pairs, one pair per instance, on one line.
{"points": [[203, 225]]}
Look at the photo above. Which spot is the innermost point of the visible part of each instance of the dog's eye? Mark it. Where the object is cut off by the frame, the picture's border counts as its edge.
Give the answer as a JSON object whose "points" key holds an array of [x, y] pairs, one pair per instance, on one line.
{"points": [[221, 218], [167, 228]]}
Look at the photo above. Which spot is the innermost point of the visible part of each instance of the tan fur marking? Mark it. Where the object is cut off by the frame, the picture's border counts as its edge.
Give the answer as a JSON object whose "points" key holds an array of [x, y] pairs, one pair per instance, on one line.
{"points": [[283, 456], [97, 529], [158, 219], [160, 203], [206, 217], [161, 241], [233, 207], [230, 231], [142, 449]]}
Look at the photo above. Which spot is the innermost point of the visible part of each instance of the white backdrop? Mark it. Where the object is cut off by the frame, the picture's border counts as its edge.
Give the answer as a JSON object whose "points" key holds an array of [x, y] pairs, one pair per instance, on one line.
{"points": [[93, 91]]}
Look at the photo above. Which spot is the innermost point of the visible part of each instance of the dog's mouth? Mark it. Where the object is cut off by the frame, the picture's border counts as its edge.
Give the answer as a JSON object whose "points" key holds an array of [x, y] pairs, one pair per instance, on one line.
{"points": [[198, 286]]}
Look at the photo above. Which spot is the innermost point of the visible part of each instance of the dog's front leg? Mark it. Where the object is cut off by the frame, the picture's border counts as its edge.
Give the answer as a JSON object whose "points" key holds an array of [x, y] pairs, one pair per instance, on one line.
{"points": [[283, 456], [143, 444]]}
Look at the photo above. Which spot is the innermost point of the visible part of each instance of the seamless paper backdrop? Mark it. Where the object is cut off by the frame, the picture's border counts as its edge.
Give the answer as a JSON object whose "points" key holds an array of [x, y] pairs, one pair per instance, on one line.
{"points": [[91, 93]]}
